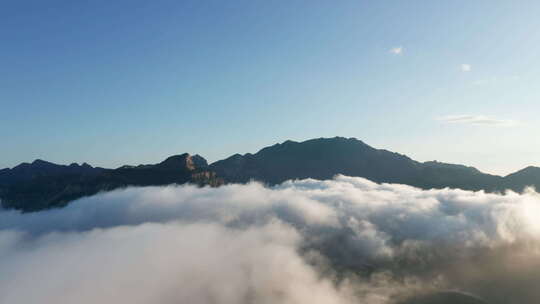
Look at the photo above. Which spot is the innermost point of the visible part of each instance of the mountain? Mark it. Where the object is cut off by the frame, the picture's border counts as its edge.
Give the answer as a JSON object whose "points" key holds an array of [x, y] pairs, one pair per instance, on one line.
{"points": [[28, 171], [41, 185], [317, 158], [517, 181], [323, 158]]}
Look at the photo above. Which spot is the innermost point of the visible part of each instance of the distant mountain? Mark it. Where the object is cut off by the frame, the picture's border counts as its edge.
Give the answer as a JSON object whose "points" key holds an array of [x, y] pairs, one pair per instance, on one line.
{"points": [[325, 157], [39, 168], [41, 185], [517, 181], [317, 158]]}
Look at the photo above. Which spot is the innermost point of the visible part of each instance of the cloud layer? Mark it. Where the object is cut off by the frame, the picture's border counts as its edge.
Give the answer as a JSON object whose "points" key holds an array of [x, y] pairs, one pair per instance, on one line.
{"points": [[346, 240]]}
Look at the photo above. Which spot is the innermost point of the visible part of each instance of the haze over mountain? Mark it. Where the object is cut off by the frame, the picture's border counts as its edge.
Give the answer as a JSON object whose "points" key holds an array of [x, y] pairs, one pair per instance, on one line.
{"points": [[41, 185]]}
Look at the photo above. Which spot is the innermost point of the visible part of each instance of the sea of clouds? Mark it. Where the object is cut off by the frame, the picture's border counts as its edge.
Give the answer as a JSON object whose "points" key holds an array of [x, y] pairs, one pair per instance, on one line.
{"points": [[346, 240]]}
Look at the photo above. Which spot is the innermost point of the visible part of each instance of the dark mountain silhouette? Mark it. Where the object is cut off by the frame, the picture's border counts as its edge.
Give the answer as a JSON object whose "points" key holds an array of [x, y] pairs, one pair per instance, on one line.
{"points": [[325, 157], [517, 181], [41, 185], [316, 158], [28, 171]]}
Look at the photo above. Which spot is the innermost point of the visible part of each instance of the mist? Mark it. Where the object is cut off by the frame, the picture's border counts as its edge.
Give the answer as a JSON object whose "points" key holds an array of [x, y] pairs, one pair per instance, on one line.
{"points": [[346, 240]]}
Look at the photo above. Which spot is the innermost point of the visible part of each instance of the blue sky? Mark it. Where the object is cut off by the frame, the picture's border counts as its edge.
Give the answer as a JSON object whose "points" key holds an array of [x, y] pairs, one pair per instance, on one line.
{"points": [[128, 82]]}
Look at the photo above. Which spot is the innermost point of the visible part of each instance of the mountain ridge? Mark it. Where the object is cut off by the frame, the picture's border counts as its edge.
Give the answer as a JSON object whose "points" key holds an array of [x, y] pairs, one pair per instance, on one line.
{"points": [[35, 190], [40, 185]]}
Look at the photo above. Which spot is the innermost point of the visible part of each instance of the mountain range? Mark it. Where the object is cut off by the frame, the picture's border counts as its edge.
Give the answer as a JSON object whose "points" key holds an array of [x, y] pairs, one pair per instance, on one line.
{"points": [[41, 185]]}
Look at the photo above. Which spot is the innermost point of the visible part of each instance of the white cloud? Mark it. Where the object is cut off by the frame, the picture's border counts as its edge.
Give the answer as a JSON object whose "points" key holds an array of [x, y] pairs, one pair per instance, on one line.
{"points": [[340, 241], [397, 50], [465, 67], [477, 120], [163, 263]]}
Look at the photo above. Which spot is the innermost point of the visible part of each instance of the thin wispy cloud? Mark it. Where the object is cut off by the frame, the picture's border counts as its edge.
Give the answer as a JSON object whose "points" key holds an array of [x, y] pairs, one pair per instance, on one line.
{"points": [[477, 120], [397, 50], [485, 81], [495, 80], [464, 67]]}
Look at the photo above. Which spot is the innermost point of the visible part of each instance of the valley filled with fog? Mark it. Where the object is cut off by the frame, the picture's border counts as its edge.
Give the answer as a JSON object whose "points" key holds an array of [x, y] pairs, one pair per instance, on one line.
{"points": [[346, 240]]}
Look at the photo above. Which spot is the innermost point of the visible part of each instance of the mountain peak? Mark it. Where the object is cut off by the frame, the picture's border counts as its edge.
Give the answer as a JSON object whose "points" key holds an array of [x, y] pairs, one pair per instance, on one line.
{"points": [[528, 171], [320, 158], [199, 161], [531, 169], [36, 164], [183, 161], [336, 140], [40, 162], [173, 161], [442, 165]]}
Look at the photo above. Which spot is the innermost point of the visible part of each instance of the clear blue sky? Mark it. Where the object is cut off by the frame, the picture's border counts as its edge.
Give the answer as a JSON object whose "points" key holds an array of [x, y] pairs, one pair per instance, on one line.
{"points": [[128, 82]]}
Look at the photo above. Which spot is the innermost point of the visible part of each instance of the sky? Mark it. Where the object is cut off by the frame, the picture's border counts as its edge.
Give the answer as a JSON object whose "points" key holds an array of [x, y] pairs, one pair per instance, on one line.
{"points": [[128, 82]]}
